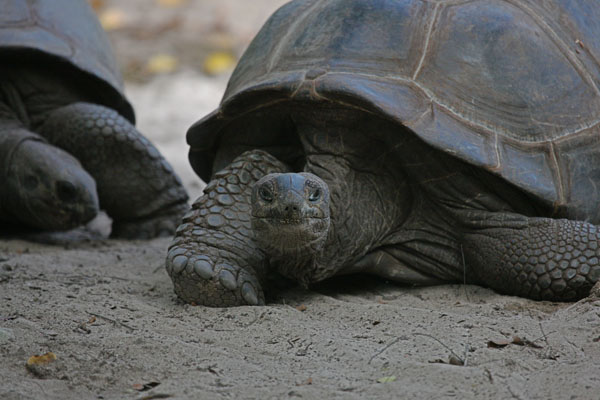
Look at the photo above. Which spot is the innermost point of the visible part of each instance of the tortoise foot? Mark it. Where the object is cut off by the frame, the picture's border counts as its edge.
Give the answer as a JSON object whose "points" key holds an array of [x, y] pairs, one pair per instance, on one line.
{"points": [[205, 277]]}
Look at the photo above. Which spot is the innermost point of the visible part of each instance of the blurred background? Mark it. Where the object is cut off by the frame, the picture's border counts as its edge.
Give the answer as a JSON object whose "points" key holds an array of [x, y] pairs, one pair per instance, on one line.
{"points": [[176, 57]]}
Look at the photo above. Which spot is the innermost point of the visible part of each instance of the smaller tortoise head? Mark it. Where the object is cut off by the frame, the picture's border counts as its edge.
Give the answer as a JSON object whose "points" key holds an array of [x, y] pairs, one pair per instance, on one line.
{"points": [[290, 214], [48, 188]]}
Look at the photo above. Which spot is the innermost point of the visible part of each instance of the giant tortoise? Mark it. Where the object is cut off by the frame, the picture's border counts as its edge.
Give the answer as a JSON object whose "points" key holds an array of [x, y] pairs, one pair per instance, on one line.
{"points": [[67, 142], [420, 141]]}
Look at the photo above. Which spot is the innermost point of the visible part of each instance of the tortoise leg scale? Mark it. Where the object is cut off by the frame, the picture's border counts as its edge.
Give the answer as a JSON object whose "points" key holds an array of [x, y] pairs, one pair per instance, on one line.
{"points": [[213, 259], [136, 186], [539, 258]]}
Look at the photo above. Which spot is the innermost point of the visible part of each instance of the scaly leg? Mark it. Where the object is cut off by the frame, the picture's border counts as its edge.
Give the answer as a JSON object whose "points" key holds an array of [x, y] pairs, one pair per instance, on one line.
{"points": [[213, 259], [136, 186], [539, 258]]}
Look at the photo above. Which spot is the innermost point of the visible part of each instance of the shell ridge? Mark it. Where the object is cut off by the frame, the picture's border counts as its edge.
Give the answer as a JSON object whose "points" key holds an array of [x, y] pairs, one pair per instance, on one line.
{"points": [[424, 52], [558, 42], [558, 175], [291, 30]]}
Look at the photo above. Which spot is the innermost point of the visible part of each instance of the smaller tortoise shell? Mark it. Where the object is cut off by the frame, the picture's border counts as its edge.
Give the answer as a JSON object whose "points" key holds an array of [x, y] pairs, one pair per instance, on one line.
{"points": [[64, 31]]}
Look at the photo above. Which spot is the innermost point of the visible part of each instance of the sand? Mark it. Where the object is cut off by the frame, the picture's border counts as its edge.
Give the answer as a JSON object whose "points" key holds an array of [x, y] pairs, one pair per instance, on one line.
{"points": [[108, 313]]}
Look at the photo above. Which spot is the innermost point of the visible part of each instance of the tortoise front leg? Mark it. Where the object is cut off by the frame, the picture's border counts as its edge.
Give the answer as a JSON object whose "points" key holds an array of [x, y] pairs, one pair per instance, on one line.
{"points": [[136, 185], [213, 259], [539, 258]]}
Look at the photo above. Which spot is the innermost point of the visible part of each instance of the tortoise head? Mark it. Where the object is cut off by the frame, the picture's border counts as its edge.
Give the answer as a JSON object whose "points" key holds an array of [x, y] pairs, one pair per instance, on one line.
{"points": [[290, 215], [48, 188]]}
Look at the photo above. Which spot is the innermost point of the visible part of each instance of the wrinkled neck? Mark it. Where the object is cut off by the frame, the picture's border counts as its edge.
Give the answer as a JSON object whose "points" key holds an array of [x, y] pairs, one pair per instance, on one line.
{"points": [[288, 249]]}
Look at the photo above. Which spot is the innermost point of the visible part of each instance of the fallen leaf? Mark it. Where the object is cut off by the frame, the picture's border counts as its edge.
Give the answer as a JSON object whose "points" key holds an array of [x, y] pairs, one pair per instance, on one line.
{"points": [[438, 361], [386, 379], [42, 360], [301, 307], [97, 4], [153, 31], [518, 341], [161, 64], [453, 360], [218, 62], [524, 342], [92, 320], [112, 19], [514, 340], [170, 3], [498, 344], [142, 387], [309, 381]]}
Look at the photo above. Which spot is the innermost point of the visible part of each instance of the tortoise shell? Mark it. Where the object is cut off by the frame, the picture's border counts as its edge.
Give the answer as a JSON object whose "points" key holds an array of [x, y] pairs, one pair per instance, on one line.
{"points": [[66, 32], [511, 86]]}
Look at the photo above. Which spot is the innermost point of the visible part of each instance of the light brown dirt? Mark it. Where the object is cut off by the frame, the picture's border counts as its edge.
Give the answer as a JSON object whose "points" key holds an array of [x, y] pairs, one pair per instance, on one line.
{"points": [[108, 313]]}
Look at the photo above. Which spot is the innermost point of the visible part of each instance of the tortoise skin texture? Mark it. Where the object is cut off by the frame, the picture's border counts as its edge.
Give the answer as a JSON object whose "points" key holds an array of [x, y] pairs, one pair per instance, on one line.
{"points": [[489, 111], [68, 146]]}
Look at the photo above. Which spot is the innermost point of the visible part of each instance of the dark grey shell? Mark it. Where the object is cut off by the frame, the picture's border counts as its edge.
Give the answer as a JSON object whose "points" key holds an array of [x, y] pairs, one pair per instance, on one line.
{"points": [[511, 86], [64, 31]]}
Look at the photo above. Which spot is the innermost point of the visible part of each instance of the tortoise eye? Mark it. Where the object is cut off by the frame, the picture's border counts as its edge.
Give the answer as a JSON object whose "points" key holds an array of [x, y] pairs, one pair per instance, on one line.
{"points": [[315, 195], [265, 194]]}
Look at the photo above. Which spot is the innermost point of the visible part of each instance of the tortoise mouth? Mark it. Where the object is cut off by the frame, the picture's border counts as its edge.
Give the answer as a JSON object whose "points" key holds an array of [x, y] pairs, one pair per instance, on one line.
{"points": [[289, 221], [282, 235], [306, 228]]}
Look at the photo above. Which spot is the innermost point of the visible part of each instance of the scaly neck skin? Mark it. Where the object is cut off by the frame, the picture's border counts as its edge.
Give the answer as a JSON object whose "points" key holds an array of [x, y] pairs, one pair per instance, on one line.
{"points": [[365, 206], [362, 213]]}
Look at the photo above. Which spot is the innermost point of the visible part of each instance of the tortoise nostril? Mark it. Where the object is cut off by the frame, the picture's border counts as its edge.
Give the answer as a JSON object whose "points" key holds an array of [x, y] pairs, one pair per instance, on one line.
{"points": [[66, 191]]}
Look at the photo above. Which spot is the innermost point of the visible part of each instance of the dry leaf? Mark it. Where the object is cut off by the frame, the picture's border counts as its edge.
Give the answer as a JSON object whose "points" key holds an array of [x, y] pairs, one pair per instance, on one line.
{"points": [[453, 360], [161, 64], [170, 3], [386, 379], [525, 342], [219, 62], [308, 381], [301, 307], [514, 340], [42, 360], [498, 344], [112, 18], [96, 4], [142, 387]]}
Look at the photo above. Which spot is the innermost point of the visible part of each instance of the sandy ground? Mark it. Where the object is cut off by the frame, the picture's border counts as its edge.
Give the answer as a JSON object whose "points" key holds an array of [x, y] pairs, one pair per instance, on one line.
{"points": [[107, 311]]}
